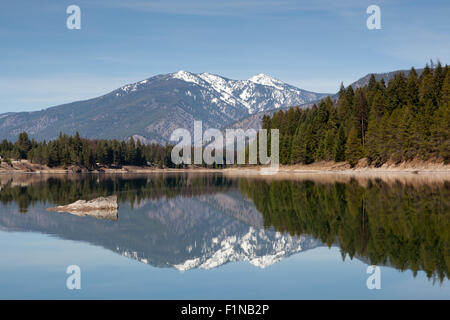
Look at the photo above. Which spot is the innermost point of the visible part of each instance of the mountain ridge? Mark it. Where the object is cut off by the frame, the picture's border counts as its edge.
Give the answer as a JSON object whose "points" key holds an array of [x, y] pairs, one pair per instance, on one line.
{"points": [[154, 107]]}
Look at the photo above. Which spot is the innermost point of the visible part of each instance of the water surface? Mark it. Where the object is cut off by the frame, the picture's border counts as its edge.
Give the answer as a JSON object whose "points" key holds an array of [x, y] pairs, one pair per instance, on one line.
{"points": [[210, 236]]}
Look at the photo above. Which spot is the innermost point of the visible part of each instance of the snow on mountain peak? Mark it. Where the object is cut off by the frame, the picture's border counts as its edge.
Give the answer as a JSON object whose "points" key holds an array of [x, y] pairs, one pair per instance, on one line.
{"points": [[186, 76], [209, 77], [247, 93], [266, 80], [234, 95], [217, 82]]}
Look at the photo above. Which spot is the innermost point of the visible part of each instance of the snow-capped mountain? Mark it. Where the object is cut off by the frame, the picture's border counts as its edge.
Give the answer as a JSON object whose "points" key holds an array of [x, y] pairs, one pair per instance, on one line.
{"points": [[259, 93], [152, 108]]}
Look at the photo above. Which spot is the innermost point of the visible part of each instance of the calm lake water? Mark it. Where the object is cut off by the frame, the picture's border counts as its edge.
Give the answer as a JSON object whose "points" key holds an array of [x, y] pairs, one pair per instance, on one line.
{"points": [[208, 236]]}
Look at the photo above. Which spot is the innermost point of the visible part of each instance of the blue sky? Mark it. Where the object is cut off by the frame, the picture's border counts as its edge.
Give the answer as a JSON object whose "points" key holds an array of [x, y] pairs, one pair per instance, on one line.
{"points": [[311, 44]]}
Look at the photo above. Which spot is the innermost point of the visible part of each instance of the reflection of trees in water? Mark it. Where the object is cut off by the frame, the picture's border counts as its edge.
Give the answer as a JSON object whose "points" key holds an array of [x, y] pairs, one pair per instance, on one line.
{"points": [[63, 191], [401, 225]]}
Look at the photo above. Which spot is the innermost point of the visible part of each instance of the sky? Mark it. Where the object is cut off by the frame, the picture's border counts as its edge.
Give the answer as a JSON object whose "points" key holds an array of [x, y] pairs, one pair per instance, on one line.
{"points": [[313, 45]]}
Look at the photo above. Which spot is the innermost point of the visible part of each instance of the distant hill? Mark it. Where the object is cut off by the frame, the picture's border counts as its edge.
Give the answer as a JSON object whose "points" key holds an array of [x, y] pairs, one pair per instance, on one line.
{"points": [[378, 76]]}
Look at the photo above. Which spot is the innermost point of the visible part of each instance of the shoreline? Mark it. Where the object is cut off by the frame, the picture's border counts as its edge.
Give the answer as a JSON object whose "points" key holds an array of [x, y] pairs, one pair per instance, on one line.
{"points": [[319, 172], [414, 167]]}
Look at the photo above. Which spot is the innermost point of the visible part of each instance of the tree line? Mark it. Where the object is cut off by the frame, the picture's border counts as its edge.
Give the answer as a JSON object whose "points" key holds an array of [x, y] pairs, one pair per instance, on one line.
{"points": [[73, 150], [69, 150], [406, 119]]}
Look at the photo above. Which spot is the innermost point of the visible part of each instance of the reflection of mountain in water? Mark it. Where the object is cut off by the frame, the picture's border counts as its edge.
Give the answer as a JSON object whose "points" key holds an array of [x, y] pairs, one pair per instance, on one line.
{"points": [[203, 231], [202, 221]]}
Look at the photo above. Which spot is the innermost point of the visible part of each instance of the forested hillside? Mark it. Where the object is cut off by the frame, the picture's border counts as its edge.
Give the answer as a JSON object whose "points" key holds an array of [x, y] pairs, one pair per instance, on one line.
{"points": [[406, 119]]}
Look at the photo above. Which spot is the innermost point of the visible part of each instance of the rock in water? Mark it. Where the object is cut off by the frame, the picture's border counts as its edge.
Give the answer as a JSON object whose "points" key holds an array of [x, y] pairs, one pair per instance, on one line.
{"points": [[100, 208]]}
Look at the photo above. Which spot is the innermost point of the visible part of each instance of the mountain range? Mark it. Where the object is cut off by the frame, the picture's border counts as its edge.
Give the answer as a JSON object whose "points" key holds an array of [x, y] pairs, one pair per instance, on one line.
{"points": [[151, 109]]}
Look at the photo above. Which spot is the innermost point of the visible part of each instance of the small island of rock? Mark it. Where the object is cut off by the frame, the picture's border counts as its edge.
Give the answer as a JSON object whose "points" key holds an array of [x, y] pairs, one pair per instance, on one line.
{"points": [[100, 208]]}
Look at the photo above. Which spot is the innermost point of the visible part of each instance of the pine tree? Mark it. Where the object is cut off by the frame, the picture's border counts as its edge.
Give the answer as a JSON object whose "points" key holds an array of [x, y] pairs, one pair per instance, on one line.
{"points": [[23, 145], [427, 90], [406, 135], [396, 92], [53, 155], [412, 88], [339, 145], [353, 148], [439, 77], [393, 136], [373, 142], [445, 92], [371, 89], [298, 149], [131, 152], [378, 107], [361, 113], [440, 133]]}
